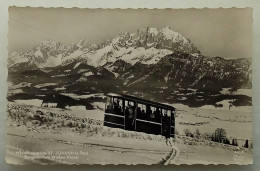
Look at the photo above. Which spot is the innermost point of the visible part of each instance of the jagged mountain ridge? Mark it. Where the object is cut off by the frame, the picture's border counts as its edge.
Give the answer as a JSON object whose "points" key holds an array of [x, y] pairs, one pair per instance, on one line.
{"points": [[185, 70], [144, 45]]}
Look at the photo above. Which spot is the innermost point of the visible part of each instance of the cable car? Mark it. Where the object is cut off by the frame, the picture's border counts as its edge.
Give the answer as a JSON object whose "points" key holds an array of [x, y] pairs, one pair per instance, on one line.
{"points": [[136, 114]]}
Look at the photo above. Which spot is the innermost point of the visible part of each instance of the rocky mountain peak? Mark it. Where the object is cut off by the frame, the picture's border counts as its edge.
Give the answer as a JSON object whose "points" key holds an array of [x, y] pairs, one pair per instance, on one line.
{"points": [[148, 37]]}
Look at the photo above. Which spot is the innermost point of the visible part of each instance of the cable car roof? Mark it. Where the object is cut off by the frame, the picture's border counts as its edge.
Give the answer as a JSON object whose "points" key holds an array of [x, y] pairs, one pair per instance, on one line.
{"points": [[141, 100]]}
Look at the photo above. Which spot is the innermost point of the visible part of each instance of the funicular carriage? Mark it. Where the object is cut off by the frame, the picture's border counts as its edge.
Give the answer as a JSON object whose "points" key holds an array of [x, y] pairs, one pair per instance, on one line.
{"points": [[135, 114]]}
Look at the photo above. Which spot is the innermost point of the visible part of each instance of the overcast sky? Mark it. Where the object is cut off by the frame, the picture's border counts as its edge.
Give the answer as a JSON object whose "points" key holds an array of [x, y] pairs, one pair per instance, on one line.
{"points": [[215, 32]]}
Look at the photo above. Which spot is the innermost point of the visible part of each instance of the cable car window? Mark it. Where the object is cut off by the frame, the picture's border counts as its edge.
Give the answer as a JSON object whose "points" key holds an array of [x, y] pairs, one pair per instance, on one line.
{"points": [[117, 105], [164, 112], [152, 114], [141, 111], [165, 116], [126, 103], [168, 113], [129, 108], [109, 103], [131, 103]]}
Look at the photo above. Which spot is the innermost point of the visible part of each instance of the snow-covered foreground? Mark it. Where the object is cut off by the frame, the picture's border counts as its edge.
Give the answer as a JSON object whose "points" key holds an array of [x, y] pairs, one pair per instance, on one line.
{"points": [[208, 152], [73, 148], [237, 121], [77, 137]]}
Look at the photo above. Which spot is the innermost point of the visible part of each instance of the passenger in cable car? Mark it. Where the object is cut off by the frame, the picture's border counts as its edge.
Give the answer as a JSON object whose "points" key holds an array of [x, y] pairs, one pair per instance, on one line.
{"points": [[129, 112], [148, 113], [117, 107], [143, 114], [158, 115], [139, 112]]}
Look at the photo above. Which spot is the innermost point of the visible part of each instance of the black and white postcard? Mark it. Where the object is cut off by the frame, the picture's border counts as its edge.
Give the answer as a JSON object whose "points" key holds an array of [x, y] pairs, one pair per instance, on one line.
{"points": [[129, 86]]}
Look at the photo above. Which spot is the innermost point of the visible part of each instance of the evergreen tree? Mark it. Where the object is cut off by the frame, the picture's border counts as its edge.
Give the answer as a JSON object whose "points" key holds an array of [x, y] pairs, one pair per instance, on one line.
{"points": [[234, 142], [246, 144], [227, 141], [220, 135]]}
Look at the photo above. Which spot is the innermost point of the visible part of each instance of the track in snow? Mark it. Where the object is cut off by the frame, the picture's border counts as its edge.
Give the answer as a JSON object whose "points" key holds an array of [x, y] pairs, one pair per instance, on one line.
{"points": [[170, 157]]}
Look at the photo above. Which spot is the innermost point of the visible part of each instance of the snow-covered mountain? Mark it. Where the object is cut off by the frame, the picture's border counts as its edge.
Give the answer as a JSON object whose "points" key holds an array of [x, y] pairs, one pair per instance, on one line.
{"points": [[146, 45], [164, 38]]}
